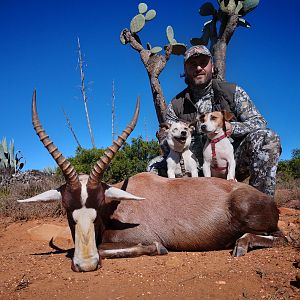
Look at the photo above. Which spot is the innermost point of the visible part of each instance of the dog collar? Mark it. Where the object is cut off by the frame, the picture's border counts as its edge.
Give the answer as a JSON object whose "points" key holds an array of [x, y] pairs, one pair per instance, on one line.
{"points": [[214, 155], [214, 141]]}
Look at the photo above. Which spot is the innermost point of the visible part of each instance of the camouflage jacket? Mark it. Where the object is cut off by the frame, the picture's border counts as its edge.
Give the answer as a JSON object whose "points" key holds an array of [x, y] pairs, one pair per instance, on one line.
{"points": [[247, 117]]}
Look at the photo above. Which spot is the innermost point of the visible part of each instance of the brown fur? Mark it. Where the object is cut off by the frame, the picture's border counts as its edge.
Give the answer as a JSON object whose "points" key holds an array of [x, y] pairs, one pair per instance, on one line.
{"points": [[190, 214]]}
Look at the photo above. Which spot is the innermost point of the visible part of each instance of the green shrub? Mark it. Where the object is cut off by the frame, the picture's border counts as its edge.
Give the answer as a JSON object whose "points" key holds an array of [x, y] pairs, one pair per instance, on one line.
{"points": [[290, 169], [128, 161]]}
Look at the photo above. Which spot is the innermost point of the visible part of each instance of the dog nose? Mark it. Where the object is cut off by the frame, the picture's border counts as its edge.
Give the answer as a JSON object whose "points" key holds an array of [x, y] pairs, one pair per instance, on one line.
{"points": [[203, 127], [183, 133]]}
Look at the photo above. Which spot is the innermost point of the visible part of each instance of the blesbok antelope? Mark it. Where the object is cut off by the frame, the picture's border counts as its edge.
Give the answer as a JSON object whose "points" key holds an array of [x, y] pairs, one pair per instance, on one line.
{"points": [[184, 214]]}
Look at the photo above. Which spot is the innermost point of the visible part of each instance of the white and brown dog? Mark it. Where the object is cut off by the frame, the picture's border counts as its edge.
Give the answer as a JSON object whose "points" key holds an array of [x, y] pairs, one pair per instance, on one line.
{"points": [[218, 152], [180, 160]]}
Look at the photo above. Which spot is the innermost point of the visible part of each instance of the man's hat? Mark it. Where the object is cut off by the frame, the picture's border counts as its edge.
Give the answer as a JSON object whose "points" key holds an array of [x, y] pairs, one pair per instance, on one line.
{"points": [[196, 51]]}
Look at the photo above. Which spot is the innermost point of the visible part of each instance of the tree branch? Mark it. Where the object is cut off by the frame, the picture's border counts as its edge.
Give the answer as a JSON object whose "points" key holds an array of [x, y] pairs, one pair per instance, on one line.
{"points": [[154, 64]]}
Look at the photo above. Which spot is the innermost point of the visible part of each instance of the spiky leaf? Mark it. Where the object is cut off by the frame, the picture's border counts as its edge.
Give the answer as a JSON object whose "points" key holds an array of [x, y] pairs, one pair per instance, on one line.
{"points": [[4, 145], [142, 8], [170, 34], [150, 15], [137, 23], [207, 9], [149, 46], [11, 153], [155, 50], [243, 23]]}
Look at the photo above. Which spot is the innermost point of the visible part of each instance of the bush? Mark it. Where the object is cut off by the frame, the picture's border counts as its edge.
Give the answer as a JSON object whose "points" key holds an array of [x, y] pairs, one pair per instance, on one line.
{"points": [[290, 169], [128, 161]]}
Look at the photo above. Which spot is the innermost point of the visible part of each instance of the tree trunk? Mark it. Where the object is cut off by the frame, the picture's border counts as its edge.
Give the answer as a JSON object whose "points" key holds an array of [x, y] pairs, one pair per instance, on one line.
{"points": [[228, 26]]}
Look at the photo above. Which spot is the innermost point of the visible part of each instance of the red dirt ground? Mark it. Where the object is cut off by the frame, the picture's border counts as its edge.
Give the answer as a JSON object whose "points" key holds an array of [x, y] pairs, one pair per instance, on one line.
{"points": [[25, 273]]}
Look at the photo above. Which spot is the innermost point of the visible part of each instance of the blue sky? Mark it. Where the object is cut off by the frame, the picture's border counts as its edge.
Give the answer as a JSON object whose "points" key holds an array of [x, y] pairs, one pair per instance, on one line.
{"points": [[39, 50]]}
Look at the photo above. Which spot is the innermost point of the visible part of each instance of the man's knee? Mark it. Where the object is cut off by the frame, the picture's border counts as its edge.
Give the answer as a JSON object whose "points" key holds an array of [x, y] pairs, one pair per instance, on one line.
{"points": [[265, 140]]}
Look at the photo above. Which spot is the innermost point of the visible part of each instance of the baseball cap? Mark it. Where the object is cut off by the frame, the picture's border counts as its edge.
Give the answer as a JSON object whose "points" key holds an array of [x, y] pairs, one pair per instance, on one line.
{"points": [[196, 51]]}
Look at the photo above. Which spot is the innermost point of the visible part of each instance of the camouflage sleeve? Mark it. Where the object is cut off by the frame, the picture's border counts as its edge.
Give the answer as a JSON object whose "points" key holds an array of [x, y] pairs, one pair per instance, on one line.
{"points": [[170, 115], [248, 117]]}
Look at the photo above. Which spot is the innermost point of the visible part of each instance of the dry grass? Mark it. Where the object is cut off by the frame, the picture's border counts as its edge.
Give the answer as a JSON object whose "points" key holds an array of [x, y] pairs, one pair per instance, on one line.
{"points": [[287, 191], [9, 206]]}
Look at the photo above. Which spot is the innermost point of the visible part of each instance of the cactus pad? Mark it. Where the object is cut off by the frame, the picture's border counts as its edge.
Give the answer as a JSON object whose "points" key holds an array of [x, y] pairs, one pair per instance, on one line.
{"points": [[207, 9], [150, 15], [142, 7], [198, 41], [249, 5], [179, 49], [137, 23], [170, 34], [155, 50]]}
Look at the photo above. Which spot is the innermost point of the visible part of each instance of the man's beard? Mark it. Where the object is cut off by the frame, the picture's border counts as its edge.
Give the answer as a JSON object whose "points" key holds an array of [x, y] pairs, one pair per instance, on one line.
{"points": [[199, 90], [198, 86]]}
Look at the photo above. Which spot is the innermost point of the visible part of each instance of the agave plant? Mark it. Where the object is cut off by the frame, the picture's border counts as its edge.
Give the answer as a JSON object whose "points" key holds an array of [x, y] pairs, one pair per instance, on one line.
{"points": [[9, 160]]}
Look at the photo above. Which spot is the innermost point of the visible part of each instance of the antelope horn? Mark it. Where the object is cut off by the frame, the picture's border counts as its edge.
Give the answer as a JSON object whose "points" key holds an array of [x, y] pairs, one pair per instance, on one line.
{"points": [[66, 167], [102, 164]]}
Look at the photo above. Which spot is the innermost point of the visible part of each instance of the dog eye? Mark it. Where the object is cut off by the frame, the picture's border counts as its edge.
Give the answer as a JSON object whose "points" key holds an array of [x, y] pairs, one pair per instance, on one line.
{"points": [[213, 118]]}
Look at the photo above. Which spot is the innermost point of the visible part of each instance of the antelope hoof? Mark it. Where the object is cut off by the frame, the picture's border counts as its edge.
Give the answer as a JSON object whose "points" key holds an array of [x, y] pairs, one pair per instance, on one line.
{"points": [[239, 251], [161, 250]]}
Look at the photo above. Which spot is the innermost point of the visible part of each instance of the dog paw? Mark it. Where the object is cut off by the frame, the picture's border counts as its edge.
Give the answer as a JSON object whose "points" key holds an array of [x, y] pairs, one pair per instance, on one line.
{"points": [[234, 180]]}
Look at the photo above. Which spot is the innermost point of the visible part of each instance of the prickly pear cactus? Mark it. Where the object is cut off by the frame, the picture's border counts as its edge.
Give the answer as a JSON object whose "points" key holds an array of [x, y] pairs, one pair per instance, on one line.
{"points": [[170, 34], [137, 23], [142, 7], [204, 39], [151, 14], [242, 7], [227, 6], [177, 48], [248, 5], [207, 9], [155, 50]]}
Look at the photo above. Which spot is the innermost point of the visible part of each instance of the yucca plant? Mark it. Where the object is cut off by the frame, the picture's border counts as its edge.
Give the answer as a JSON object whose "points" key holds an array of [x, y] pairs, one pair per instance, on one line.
{"points": [[10, 162]]}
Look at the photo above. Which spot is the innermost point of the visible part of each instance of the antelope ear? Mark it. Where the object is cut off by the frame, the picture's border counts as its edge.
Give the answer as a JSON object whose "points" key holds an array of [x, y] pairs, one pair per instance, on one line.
{"points": [[115, 194], [48, 196]]}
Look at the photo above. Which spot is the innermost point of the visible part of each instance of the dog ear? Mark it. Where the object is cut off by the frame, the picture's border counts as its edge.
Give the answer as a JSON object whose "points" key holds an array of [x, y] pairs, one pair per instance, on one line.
{"points": [[162, 132], [227, 115], [192, 125], [200, 118], [164, 126]]}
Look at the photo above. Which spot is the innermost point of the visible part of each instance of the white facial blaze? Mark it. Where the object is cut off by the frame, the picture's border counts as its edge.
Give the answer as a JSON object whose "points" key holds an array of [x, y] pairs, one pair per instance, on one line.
{"points": [[86, 253], [84, 194]]}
